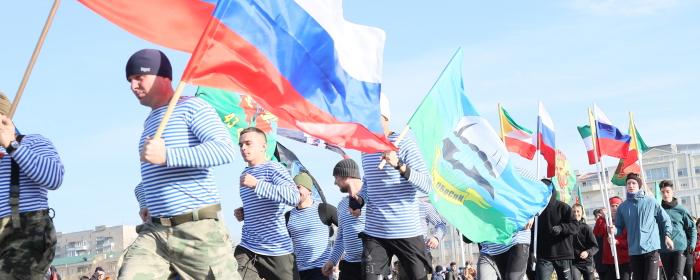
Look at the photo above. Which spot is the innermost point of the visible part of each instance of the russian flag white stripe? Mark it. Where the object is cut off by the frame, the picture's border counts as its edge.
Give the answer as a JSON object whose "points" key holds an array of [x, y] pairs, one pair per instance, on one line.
{"points": [[360, 48], [600, 116], [546, 119]]}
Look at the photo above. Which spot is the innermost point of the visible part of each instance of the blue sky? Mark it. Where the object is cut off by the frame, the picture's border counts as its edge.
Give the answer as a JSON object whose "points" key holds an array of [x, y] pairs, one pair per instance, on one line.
{"points": [[639, 56]]}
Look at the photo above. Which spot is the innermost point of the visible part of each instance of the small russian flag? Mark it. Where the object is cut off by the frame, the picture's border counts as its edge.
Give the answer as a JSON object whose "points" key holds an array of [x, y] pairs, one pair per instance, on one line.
{"points": [[545, 139]]}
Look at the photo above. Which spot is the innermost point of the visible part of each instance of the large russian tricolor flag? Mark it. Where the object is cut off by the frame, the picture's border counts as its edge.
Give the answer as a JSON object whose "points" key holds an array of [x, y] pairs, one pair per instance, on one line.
{"points": [[545, 140], [175, 24], [610, 140], [300, 60]]}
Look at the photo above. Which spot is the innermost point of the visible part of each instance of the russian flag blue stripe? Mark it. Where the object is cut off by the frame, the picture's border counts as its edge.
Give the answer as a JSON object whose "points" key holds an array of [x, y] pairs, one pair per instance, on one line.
{"points": [[611, 132], [319, 78], [547, 136]]}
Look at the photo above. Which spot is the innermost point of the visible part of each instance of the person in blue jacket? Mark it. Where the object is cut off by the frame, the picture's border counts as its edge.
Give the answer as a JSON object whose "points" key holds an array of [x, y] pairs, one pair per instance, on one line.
{"points": [[643, 218]]}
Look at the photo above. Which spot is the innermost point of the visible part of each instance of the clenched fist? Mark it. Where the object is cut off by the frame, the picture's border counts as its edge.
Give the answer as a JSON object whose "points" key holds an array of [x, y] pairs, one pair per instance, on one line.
{"points": [[249, 181], [153, 151]]}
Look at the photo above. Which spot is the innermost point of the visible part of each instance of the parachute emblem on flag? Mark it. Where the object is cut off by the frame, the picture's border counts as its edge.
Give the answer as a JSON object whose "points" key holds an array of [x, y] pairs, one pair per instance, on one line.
{"points": [[463, 142], [454, 195], [493, 157]]}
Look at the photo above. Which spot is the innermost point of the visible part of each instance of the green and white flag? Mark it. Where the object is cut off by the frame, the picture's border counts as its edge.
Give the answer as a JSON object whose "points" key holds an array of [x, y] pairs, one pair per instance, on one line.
{"points": [[475, 186]]}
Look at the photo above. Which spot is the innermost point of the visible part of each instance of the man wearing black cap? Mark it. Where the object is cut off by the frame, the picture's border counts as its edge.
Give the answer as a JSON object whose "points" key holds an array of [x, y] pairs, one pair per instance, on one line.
{"points": [[347, 244], [310, 227], [29, 168], [177, 191]]}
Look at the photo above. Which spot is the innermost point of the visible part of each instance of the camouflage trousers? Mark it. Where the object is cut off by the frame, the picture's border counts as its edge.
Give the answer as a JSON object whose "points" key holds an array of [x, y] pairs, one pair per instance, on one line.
{"points": [[194, 250], [27, 252]]}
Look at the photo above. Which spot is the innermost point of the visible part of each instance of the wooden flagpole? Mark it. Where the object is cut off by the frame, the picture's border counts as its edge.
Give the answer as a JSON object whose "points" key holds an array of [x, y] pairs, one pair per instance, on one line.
{"points": [[35, 54], [169, 110]]}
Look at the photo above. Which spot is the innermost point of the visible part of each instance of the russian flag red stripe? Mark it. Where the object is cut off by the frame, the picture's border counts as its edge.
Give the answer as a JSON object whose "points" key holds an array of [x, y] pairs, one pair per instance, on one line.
{"points": [[173, 24], [260, 49]]}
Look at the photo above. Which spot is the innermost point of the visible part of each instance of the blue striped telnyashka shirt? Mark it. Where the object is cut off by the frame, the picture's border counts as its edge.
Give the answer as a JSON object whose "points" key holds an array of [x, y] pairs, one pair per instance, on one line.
{"points": [[140, 195], [264, 229], [309, 236], [195, 140], [346, 240], [493, 249], [430, 216], [40, 170], [391, 204]]}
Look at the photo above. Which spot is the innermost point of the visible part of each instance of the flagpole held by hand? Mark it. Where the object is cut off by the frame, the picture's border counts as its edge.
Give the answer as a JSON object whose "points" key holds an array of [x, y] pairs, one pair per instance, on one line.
{"points": [[35, 54], [396, 143], [169, 110], [592, 117]]}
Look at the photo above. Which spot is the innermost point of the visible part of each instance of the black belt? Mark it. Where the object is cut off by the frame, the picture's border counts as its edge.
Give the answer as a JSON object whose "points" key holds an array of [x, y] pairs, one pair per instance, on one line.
{"points": [[208, 212], [26, 216]]}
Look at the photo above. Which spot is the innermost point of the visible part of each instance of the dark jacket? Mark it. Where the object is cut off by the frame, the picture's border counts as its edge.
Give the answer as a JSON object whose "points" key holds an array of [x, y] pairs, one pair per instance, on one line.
{"points": [[451, 275], [584, 240], [555, 230], [684, 233]]}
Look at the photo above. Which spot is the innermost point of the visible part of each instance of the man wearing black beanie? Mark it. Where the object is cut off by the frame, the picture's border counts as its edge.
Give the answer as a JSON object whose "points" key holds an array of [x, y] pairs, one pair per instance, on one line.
{"points": [[347, 244], [182, 233]]}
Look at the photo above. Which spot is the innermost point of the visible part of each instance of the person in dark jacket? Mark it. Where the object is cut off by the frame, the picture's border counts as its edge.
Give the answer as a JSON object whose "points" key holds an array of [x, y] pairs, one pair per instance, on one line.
{"points": [[683, 234], [585, 247], [555, 230], [452, 272]]}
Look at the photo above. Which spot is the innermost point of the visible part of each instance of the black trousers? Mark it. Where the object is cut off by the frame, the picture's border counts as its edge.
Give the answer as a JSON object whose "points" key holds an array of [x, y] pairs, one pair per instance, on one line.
{"points": [[646, 266], [351, 271], [689, 264], [254, 266], [513, 263], [579, 270], [674, 264], [312, 274], [545, 268], [377, 252], [610, 272]]}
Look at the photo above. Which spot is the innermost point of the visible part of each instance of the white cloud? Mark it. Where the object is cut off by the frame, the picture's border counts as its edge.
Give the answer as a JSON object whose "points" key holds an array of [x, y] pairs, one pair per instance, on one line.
{"points": [[623, 7]]}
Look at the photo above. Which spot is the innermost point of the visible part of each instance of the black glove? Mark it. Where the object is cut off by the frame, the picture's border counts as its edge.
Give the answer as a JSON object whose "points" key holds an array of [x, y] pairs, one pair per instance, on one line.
{"points": [[356, 203], [556, 230], [689, 250]]}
